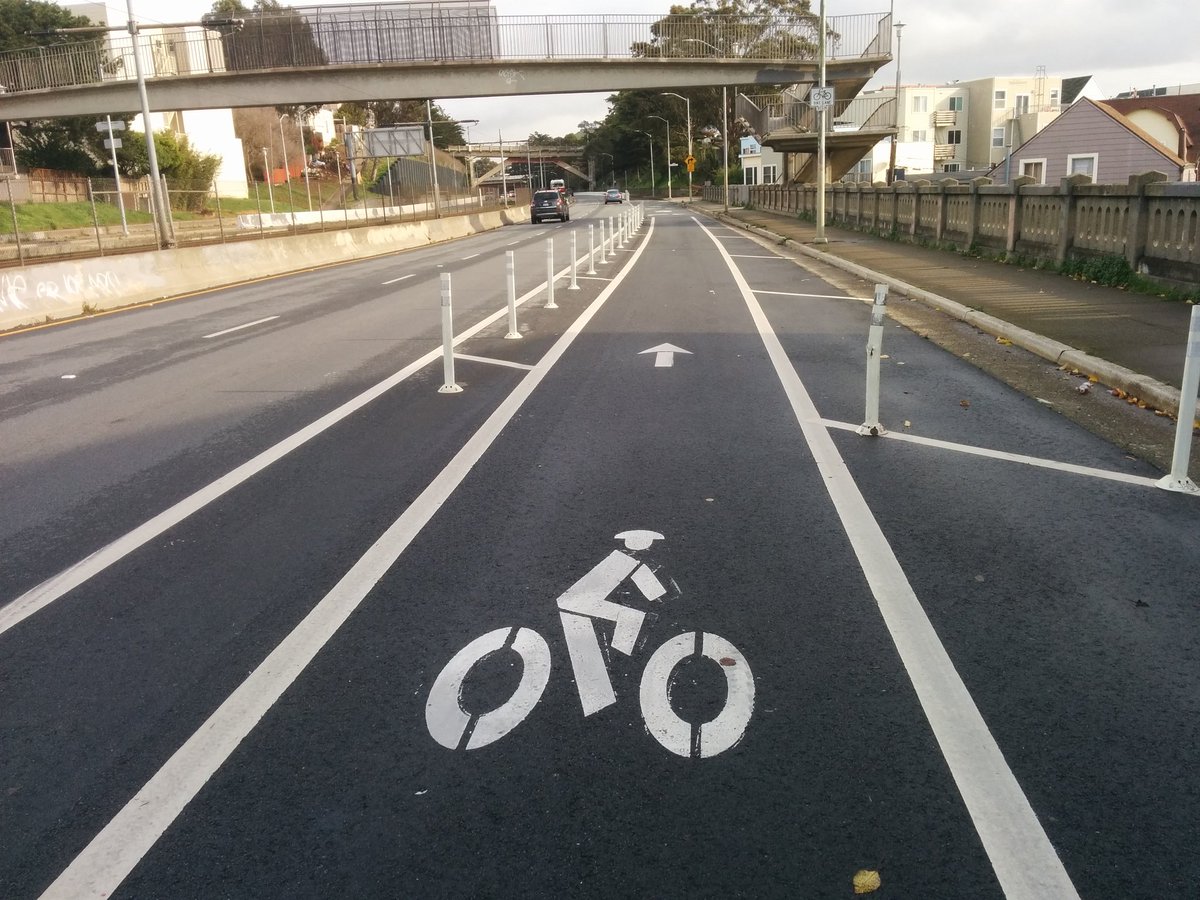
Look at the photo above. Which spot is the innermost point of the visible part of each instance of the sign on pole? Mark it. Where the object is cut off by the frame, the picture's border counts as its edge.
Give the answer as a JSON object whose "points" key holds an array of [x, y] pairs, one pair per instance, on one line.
{"points": [[110, 127], [398, 141], [112, 144], [690, 162], [821, 97]]}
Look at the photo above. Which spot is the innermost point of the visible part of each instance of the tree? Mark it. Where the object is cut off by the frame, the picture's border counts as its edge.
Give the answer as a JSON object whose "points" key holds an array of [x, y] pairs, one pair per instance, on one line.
{"points": [[188, 172], [267, 35]]}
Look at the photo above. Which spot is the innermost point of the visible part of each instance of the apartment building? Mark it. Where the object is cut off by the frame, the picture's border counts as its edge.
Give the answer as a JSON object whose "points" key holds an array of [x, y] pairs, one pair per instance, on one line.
{"points": [[961, 126], [167, 52]]}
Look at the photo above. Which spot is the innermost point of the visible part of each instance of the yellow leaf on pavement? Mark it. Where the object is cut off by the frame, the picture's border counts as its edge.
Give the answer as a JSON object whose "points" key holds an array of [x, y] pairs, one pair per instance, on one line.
{"points": [[866, 881]]}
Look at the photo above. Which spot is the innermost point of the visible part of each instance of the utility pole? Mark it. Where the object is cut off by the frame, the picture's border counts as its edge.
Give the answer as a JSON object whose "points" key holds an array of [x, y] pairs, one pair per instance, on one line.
{"points": [[821, 173], [891, 172]]}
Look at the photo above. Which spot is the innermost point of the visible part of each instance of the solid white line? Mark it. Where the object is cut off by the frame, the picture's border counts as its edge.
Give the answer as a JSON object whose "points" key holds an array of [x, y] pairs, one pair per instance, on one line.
{"points": [[817, 296], [1107, 474], [121, 844], [751, 256], [240, 327], [401, 278], [50, 590], [1021, 854], [490, 361]]}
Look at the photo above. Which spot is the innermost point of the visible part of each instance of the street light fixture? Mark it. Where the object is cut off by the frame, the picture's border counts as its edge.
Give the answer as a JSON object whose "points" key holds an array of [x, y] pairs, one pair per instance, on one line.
{"points": [[670, 189], [653, 194], [689, 134], [724, 121]]}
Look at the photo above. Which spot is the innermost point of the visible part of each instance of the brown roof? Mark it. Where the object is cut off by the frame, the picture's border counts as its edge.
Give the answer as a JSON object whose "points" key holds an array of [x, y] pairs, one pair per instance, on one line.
{"points": [[1183, 111]]}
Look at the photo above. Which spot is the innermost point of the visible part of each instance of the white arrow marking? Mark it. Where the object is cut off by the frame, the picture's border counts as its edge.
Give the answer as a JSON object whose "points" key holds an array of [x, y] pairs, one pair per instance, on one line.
{"points": [[665, 355]]}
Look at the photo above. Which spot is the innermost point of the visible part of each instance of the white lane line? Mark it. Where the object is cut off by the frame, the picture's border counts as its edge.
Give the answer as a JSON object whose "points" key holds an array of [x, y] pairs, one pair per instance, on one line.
{"points": [[752, 256], [512, 243], [817, 296], [472, 256], [401, 278], [1021, 854], [53, 588], [490, 361], [592, 278], [1107, 474], [99, 870], [240, 327]]}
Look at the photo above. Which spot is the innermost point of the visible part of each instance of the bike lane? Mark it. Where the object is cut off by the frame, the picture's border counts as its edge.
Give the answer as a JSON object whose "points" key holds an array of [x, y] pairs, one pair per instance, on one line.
{"points": [[342, 790]]}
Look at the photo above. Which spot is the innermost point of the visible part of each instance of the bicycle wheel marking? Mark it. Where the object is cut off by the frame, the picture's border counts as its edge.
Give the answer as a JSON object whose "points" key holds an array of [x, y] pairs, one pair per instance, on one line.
{"points": [[665, 725], [447, 721]]}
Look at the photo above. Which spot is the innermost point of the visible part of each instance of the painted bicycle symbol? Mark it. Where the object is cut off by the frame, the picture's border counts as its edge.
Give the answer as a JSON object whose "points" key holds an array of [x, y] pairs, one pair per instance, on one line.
{"points": [[581, 606]]}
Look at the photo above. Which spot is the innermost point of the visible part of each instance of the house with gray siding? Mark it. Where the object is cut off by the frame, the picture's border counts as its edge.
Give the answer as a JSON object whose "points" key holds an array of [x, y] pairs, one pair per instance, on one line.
{"points": [[1093, 139]]}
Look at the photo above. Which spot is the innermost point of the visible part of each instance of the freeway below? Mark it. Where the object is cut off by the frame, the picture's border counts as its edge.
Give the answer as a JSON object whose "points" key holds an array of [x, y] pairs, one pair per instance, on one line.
{"points": [[636, 612]]}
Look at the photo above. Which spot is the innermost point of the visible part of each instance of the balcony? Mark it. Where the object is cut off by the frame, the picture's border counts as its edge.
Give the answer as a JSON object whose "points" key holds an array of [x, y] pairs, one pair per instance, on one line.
{"points": [[944, 151], [945, 118]]}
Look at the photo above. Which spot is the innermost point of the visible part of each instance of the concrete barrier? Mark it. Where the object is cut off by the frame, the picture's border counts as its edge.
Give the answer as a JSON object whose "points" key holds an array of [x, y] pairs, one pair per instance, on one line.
{"points": [[42, 293]]}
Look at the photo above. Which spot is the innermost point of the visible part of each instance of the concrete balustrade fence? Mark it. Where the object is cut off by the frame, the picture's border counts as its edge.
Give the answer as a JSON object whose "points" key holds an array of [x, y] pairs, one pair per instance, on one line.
{"points": [[1152, 223]]}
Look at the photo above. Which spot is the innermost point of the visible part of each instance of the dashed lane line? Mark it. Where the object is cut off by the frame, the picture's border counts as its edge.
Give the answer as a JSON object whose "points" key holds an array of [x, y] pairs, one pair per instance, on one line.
{"points": [[240, 327]]}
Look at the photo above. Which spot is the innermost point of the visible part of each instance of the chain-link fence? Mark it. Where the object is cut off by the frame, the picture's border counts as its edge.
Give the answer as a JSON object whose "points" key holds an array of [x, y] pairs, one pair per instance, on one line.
{"points": [[48, 216]]}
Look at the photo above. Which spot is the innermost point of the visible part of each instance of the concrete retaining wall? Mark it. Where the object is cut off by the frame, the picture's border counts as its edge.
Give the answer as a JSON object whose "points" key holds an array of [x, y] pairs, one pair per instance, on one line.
{"points": [[60, 290]]}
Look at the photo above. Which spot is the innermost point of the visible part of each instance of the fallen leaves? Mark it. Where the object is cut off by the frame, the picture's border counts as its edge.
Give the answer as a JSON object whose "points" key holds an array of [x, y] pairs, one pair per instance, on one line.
{"points": [[1003, 341]]}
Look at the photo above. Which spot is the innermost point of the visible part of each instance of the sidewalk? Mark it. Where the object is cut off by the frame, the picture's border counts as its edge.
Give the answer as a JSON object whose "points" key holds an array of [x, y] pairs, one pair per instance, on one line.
{"points": [[1129, 341]]}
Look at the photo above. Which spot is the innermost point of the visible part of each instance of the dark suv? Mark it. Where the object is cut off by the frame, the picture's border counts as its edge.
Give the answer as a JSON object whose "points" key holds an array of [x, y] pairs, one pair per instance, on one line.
{"points": [[548, 205]]}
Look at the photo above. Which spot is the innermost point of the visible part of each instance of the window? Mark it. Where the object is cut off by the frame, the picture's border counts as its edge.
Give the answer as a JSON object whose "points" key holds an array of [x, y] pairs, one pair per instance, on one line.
{"points": [[750, 175], [920, 104], [1035, 169], [997, 137], [1082, 164], [1022, 103], [920, 135], [954, 136], [999, 99], [952, 167], [1054, 98], [956, 104], [769, 174]]}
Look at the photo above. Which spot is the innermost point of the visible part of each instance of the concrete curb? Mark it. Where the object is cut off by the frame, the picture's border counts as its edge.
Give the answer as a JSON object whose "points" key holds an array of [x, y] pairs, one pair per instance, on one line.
{"points": [[1153, 392], [40, 293]]}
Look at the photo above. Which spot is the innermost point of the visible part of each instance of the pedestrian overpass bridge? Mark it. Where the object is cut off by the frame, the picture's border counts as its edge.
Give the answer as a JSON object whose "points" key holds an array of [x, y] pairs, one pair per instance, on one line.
{"points": [[332, 54]]}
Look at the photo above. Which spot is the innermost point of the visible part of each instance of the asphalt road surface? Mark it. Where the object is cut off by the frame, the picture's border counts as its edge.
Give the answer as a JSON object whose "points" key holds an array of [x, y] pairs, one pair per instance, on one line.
{"points": [[634, 613]]}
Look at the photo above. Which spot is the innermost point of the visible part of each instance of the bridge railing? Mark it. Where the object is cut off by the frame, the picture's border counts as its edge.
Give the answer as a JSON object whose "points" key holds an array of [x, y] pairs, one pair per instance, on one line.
{"points": [[337, 36], [773, 113]]}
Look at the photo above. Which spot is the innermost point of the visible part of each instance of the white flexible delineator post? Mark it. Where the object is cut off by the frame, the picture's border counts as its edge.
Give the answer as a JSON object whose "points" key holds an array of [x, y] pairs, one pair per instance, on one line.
{"points": [[871, 424], [510, 266], [550, 304], [449, 386], [1178, 479], [591, 249], [574, 285]]}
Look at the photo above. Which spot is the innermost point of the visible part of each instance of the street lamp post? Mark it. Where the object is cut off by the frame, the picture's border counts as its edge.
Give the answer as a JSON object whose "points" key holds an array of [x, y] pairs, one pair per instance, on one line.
{"points": [[822, 176], [287, 176], [166, 238], [724, 121], [267, 178], [653, 194], [670, 191], [689, 134], [891, 172], [611, 173]]}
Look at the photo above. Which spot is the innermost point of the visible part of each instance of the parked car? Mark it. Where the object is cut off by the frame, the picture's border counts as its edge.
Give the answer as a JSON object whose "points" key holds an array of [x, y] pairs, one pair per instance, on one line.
{"points": [[549, 205], [612, 195]]}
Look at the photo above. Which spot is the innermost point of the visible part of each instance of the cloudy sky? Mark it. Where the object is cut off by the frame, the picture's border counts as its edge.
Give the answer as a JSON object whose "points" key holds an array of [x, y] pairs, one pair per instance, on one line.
{"points": [[1122, 45]]}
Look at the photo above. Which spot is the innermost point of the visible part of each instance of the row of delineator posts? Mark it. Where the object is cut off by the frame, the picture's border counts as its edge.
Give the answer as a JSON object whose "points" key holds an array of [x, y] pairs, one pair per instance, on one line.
{"points": [[614, 234], [1177, 480]]}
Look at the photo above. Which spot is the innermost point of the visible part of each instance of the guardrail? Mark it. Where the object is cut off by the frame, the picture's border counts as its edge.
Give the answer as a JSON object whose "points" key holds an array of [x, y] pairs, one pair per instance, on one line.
{"points": [[317, 37], [1149, 221]]}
